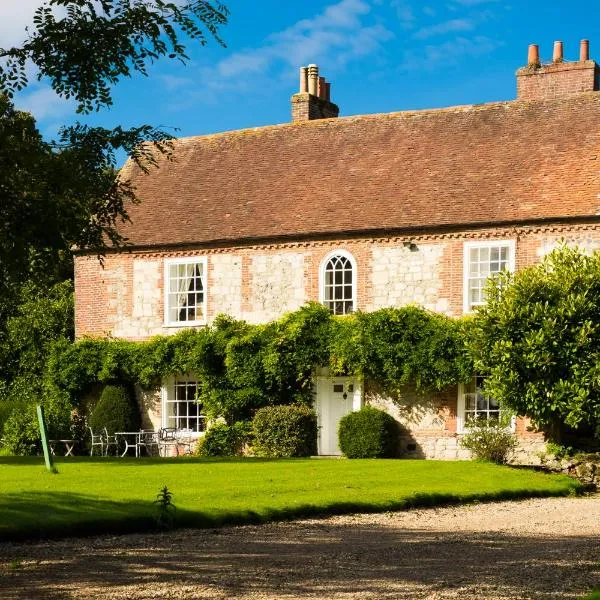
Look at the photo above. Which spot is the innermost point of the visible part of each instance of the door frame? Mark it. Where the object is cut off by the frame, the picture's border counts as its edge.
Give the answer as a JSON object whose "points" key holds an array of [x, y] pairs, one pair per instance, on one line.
{"points": [[323, 383]]}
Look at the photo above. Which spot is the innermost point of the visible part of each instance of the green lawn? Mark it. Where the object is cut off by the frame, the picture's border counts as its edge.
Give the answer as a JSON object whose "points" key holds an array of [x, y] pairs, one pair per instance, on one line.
{"points": [[595, 595], [90, 495]]}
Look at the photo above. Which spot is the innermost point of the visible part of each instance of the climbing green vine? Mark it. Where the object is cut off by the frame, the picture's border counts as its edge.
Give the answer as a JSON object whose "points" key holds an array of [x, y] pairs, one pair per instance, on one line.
{"points": [[242, 367]]}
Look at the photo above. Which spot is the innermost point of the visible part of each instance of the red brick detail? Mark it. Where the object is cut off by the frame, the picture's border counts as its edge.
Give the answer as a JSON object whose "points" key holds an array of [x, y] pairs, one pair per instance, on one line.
{"points": [[98, 290], [306, 107], [557, 80]]}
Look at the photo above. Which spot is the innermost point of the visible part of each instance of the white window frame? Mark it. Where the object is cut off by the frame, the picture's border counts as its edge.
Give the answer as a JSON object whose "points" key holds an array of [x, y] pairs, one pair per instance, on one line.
{"points": [[168, 391], [166, 286], [510, 244], [460, 413], [326, 259]]}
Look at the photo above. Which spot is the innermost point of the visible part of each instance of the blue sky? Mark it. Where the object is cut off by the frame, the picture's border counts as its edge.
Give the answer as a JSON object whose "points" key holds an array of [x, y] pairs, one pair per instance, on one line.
{"points": [[380, 55]]}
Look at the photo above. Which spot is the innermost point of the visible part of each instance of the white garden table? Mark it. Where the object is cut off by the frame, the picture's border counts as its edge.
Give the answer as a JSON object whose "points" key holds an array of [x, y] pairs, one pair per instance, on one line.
{"points": [[68, 444], [131, 439]]}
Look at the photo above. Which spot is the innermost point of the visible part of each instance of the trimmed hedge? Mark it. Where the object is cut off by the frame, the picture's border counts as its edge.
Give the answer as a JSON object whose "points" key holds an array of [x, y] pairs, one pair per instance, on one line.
{"points": [[116, 410], [368, 433], [224, 440], [285, 431]]}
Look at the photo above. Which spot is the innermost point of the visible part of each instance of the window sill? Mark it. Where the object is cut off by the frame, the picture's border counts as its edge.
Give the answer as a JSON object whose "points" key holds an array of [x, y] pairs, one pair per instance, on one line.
{"points": [[185, 324]]}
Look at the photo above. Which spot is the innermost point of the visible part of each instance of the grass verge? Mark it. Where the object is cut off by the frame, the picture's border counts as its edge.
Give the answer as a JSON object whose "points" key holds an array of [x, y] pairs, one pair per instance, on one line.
{"points": [[112, 495], [595, 595]]}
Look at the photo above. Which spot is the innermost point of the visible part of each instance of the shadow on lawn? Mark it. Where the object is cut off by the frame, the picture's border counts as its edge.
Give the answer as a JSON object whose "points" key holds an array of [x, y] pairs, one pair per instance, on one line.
{"points": [[317, 559], [30, 515], [35, 515]]}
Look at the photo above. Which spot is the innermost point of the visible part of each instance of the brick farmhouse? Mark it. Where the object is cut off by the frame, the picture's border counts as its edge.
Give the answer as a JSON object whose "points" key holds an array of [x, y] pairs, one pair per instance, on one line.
{"points": [[360, 212]]}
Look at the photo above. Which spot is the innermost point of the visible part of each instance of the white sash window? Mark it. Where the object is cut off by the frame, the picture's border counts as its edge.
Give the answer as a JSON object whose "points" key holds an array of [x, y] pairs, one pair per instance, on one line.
{"points": [[185, 291], [483, 260]]}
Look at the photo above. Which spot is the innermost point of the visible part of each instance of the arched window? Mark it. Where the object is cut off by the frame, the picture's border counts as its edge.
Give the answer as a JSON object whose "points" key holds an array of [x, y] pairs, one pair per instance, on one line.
{"points": [[338, 282]]}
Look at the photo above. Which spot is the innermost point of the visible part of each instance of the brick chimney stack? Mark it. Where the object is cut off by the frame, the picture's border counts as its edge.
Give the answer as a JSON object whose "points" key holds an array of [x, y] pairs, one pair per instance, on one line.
{"points": [[313, 101], [558, 79]]}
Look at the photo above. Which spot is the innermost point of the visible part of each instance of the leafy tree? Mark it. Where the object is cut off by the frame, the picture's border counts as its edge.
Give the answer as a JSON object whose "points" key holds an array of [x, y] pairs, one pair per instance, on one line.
{"points": [[92, 44], [40, 320], [400, 346], [538, 339], [65, 193], [56, 195]]}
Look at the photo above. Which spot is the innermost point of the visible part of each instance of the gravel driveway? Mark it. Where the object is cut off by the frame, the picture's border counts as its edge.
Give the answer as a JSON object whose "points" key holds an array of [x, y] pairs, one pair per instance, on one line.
{"points": [[509, 550]]}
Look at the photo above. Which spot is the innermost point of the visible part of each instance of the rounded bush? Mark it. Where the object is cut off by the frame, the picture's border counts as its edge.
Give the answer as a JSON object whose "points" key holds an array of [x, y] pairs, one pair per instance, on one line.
{"points": [[116, 410], [368, 433], [224, 440], [285, 431], [490, 441]]}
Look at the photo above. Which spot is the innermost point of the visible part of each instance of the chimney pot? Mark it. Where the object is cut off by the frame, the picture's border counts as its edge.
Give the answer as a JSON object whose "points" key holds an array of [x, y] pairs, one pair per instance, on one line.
{"points": [[314, 99], [584, 50], [557, 55], [321, 93], [313, 80], [303, 80], [533, 55]]}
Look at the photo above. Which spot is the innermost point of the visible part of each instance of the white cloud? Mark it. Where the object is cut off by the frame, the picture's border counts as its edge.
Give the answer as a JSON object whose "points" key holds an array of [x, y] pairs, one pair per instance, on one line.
{"points": [[43, 103], [449, 53], [174, 82], [405, 13], [451, 26], [473, 2], [15, 15], [335, 36]]}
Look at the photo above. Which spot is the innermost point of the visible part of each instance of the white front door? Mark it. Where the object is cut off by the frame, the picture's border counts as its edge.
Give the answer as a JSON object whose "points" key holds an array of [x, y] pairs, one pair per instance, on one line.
{"points": [[336, 397]]}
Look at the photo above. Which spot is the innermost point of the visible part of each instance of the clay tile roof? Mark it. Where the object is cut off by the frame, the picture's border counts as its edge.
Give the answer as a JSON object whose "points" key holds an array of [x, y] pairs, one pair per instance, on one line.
{"points": [[517, 161]]}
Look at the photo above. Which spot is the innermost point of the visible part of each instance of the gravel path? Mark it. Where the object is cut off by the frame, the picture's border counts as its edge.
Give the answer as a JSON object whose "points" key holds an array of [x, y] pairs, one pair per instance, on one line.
{"points": [[509, 550]]}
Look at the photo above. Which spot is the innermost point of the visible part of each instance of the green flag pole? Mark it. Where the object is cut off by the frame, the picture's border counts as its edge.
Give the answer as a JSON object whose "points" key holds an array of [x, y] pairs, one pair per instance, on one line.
{"points": [[44, 434]]}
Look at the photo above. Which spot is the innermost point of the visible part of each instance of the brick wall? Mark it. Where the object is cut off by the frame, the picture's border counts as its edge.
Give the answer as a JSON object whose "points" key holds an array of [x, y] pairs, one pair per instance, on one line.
{"points": [[124, 298], [429, 426], [306, 107], [556, 80]]}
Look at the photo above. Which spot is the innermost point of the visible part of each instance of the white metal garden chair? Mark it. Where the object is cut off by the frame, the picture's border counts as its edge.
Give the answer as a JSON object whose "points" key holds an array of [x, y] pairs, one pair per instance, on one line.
{"points": [[149, 439], [110, 440], [167, 439], [97, 442], [186, 440]]}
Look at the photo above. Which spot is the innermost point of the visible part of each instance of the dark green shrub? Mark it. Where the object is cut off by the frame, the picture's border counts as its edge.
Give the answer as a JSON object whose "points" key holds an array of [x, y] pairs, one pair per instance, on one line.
{"points": [[116, 410], [225, 440], [368, 433], [285, 431], [491, 441], [21, 431], [6, 408]]}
